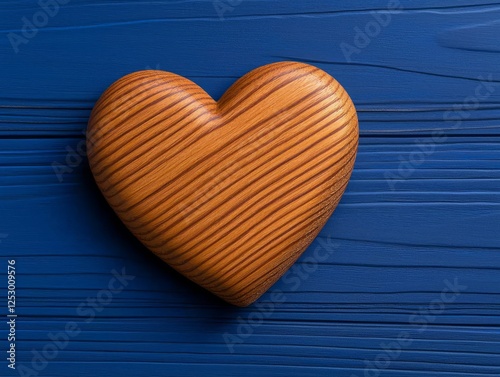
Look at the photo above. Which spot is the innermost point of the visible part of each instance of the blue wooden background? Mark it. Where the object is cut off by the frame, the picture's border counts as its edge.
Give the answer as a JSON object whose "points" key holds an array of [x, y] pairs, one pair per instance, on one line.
{"points": [[408, 282]]}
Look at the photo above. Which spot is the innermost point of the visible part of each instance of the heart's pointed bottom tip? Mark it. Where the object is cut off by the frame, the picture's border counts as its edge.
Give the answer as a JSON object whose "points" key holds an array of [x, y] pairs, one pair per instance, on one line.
{"points": [[239, 299], [242, 303]]}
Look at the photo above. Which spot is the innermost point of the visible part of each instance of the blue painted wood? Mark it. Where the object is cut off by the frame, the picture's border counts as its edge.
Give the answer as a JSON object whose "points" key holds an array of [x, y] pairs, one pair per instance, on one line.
{"points": [[420, 217]]}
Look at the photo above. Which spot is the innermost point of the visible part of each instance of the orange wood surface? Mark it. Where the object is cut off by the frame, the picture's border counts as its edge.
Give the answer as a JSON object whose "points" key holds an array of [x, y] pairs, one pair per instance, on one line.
{"points": [[228, 193]]}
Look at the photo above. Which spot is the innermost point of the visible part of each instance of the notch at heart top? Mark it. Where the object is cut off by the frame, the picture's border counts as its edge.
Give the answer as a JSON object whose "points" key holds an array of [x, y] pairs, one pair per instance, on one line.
{"points": [[228, 193]]}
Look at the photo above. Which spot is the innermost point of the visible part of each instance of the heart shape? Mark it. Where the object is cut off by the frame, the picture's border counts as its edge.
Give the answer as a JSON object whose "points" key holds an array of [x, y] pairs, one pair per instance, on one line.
{"points": [[228, 193]]}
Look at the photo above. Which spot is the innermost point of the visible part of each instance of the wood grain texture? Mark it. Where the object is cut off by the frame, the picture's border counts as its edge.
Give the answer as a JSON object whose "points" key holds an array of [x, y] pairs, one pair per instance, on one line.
{"points": [[394, 248], [229, 193]]}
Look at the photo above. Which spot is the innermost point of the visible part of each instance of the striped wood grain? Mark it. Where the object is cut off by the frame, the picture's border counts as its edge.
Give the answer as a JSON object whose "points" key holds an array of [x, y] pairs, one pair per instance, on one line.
{"points": [[229, 193]]}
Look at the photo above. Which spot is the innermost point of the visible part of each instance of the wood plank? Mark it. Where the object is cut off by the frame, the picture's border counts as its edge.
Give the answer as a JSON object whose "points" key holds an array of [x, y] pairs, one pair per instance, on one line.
{"points": [[397, 86], [420, 214]]}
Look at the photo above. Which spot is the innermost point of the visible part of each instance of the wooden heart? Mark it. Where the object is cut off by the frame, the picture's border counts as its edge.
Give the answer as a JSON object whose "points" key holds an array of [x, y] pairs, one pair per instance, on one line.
{"points": [[228, 193]]}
